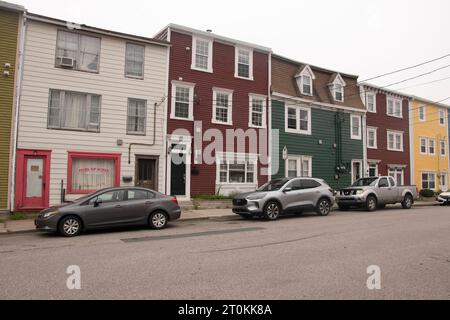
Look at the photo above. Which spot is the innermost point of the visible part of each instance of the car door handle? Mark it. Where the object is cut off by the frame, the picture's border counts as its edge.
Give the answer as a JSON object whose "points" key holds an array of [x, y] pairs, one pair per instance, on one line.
{"points": [[148, 203]]}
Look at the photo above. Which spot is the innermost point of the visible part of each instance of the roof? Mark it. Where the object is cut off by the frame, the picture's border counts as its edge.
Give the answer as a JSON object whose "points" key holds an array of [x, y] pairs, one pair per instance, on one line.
{"points": [[83, 27], [216, 37], [386, 91], [11, 6], [431, 102], [284, 82]]}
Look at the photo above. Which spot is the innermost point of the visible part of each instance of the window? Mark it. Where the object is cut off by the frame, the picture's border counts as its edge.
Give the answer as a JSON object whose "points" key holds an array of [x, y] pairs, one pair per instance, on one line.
{"points": [[237, 169], [338, 92], [298, 120], [298, 166], [182, 101], [244, 63], [394, 141], [74, 111], [134, 61], [429, 180], [372, 138], [443, 148], [442, 117], [306, 85], [88, 172], [383, 183], [137, 194], [137, 115], [431, 147], [397, 175], [77, 51], [110, 196], [355, 127], [371, 106], [394, 108], [373, 170], [202, 54], [423, 145], [422, 113], [257, 115], [309, 184], [222, 106]]}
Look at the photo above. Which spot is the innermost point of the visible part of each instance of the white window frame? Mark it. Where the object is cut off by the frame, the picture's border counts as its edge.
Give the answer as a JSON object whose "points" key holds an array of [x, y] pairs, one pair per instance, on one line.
{"points": [[373, 95], [143, 61], [394, 102], [360, 169], [264, 110], [426, 145], [142, 133], [210, 53], [428, 180], [186, 85], [228, 157], [442, 112], [374, 164], [299, 162], [340, 81], [395, 135], [422, 107], [434, 147], [375, 131], [443, 149], [352, 136], [297, 120], [236, 63], [305, 72], [229, 93], [394, 172]]}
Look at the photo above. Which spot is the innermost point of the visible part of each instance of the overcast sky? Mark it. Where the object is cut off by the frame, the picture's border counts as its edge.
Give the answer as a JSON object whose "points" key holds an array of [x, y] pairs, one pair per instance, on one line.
{"points": [[361, 37]]}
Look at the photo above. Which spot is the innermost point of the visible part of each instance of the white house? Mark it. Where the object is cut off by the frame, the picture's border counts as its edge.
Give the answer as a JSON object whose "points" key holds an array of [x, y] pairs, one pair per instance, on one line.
{"points": [[92, 112]]}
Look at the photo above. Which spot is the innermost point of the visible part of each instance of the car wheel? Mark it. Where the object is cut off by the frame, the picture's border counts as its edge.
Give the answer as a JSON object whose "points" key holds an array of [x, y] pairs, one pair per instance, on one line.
{"points": [[407, 202], [158, 220], [343, 208], [70, 226], [272, 210], [323, 207], [371, 203]]}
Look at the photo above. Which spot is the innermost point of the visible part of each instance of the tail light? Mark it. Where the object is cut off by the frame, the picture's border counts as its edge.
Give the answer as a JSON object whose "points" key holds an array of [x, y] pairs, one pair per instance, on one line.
{"points": [[174, 200]]}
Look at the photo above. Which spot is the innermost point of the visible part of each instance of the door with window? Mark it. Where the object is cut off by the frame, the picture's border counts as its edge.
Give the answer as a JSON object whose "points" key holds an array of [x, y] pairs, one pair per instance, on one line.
{"points": [[356, 170], [178, 170], [443, 182], [146, 172]]}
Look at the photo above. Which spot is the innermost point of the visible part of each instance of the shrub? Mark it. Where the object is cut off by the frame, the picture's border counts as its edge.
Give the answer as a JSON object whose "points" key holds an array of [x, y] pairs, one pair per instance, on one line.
{"points": [[427, 193]]}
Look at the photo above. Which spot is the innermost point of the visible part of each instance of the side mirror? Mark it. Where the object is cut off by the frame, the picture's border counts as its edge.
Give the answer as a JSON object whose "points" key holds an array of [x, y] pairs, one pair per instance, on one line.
{"points": [[287, 189], [98, 202]]}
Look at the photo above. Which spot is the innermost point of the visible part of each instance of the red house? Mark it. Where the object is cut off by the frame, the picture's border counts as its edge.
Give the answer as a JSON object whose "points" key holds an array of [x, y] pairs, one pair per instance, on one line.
{"points": [[388, 136], [216, 86]]}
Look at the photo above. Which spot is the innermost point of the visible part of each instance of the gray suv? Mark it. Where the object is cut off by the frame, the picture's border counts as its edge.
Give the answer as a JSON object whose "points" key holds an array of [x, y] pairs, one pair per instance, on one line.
{"points": [[284, 196]]}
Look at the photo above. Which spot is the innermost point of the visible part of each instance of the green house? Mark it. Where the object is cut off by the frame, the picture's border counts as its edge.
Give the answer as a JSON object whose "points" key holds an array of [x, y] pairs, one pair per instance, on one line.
{"points": [[317, 121]]}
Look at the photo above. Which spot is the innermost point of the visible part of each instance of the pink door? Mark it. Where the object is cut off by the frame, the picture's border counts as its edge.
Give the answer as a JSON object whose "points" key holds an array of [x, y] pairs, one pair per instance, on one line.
{"points": [[34, 182]]}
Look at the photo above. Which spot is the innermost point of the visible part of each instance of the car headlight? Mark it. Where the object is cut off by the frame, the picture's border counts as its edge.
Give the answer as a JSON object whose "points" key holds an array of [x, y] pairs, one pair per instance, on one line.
{"points": [[359, 192], [50, 214]]}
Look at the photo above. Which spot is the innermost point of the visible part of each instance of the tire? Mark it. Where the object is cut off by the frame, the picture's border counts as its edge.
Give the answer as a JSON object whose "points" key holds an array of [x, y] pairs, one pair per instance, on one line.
{"points": [[272, 210], [381, 206], [407, 201], [70, 226], [371, 203], [158, 220], [343, 208], [323, 207]]}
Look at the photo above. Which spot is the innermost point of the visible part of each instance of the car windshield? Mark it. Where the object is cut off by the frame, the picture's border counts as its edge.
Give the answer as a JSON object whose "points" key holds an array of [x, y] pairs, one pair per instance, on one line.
{"points": [[365, 182], [273, 185]]}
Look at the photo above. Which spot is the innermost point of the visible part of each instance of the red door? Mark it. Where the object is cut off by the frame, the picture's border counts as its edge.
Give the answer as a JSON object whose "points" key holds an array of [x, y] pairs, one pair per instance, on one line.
{"points": [[32, 181]]}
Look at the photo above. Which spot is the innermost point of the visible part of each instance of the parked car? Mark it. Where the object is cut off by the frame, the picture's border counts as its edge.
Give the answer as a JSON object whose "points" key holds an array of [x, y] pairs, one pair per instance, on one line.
{"points": [[444, 198], [283, 196], [376, 192], [111, 207]]}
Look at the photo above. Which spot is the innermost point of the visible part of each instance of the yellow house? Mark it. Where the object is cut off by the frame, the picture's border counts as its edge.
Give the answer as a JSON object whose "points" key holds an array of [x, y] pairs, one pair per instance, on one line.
{"points": [[429, 141]]}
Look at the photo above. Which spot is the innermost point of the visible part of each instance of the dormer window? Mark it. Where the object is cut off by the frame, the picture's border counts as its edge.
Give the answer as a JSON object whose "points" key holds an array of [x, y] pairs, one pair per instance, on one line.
{"points": [[338, 92], [337, 87], [305, 78]]}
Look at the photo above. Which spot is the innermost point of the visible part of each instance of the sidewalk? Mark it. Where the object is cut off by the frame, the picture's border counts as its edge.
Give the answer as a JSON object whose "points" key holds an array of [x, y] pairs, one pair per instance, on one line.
{"points": [[23, 226]]}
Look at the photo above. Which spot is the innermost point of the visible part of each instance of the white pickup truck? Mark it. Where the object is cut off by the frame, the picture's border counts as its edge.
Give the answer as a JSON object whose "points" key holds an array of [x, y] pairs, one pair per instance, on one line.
{"points": [[376, 192]]}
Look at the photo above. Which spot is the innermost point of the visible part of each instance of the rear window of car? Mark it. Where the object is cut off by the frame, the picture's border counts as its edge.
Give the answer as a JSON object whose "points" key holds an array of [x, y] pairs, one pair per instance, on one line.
{"points": [[137, 194], [309, 184]]}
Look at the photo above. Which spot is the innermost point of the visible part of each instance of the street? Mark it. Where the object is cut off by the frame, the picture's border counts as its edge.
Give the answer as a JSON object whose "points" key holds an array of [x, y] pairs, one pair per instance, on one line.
{"points": [[305, 257]]}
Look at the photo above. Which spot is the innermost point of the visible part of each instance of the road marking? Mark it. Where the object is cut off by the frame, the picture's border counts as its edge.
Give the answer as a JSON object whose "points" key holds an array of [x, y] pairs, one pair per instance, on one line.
{"points": [[191, 235]]}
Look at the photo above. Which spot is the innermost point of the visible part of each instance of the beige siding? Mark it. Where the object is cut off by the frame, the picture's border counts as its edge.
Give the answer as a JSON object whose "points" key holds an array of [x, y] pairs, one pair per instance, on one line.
{"points": [[40, 75]]}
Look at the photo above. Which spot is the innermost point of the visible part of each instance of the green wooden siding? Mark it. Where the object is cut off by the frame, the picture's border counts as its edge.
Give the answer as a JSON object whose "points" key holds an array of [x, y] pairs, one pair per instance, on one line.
{"points": [[9, 22], [323, 155]]}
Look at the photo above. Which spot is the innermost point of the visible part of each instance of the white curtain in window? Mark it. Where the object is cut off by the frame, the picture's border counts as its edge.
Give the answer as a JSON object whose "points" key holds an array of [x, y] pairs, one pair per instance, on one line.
{"points": [[135, 60], [67, 44], [74, 116], [89, 52], [93, 174]]}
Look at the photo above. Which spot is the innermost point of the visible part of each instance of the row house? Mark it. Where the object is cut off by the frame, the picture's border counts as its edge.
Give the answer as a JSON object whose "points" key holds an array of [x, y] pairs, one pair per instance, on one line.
{"points": [[11, 26], [217, 86], [430, 143], [92, 112], [388, 138], [319, 118]]}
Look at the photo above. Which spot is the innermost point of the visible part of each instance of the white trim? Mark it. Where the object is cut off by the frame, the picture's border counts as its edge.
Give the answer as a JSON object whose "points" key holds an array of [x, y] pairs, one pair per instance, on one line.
{"points": [[249, 158], [428, 173], [434, 146], [394, 101], [352, 136], [299, 162], [426, 145], [360, 169], [374, 96], [338, 80], [445, 148], [236, 60], [395, 171], [297, 119], [210, 53], [251, 96], [306, 72], [229, 107], [444, 113], [424, 113], [412, 144], [187, 141], [395, 134], [186, 85], [375, 130], [372, 163], [443, 187]]}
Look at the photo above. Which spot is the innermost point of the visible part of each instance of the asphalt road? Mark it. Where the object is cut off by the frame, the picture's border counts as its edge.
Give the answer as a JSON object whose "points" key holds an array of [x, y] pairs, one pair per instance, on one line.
{"points": [[306, 257]]}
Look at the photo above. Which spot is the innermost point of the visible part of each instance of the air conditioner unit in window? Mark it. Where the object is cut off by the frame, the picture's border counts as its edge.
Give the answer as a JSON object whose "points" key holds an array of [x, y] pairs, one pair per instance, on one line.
{"points": [[66, 62]]}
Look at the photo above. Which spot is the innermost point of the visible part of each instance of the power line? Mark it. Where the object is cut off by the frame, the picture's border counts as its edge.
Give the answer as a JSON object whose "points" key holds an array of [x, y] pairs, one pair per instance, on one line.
{"points": [[423, 84]]}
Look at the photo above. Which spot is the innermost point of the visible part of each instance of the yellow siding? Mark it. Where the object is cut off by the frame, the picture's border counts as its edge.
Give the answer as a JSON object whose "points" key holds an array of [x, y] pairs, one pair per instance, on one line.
{"points": [[430, 128], [9, 22]]}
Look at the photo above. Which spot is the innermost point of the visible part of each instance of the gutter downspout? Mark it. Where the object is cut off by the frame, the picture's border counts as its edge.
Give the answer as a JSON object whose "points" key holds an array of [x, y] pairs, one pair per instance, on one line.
{"points": [[21, 58], [411, 144], [269, 119]]}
